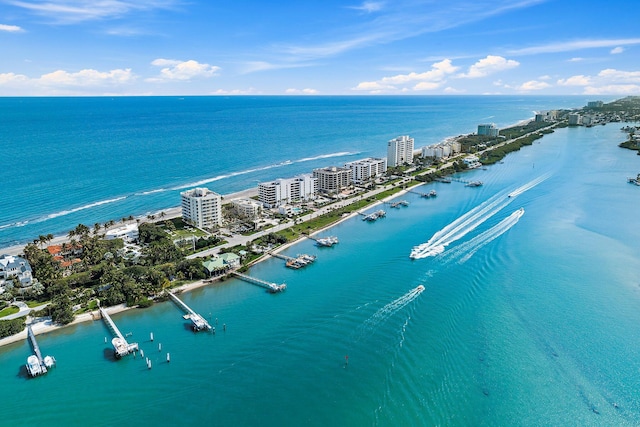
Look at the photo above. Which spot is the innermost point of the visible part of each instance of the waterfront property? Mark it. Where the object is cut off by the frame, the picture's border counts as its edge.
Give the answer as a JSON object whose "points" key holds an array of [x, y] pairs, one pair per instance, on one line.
{"points": [[489, 129], [367, 169], [221, 263], [283, 191], [333, 179], [247, 208], [202, 208], [400, 150], [15, 270], [128, 233]]}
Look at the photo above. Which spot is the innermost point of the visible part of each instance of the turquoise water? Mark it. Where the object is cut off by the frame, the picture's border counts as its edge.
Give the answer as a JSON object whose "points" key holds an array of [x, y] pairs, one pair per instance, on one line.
{"points": [[538, 327], [86, 160]]}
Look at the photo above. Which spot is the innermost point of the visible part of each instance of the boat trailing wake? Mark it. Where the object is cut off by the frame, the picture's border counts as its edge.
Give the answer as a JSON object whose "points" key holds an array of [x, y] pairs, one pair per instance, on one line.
{"points": [[460, 227], [529, 185], [387, 311], [470, 221], [468, 249]]}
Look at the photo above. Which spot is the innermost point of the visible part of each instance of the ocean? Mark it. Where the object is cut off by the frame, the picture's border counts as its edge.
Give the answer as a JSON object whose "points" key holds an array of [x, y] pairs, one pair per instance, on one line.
{"points": [[71, 161], [526, 319]]}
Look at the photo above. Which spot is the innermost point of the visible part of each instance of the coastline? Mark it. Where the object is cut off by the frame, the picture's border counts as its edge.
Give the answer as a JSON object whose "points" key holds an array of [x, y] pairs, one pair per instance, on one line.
{"points": [[45, 326]]}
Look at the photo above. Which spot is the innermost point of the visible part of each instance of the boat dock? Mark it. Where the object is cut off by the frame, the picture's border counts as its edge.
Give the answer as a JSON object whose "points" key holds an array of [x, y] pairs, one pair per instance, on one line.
{"points": [[398, 203], [428, 195], [120, 345], [467, 182], [325, 241], [36, 364], [269, 286], [199, 323], [373, 216], [297, 262]]}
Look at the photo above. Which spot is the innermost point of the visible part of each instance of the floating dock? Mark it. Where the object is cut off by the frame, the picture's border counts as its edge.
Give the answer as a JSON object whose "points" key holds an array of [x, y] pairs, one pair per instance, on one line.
{"points": [[269, 286], [199, 323], [373, 216], [120, 345], [36, 364]]}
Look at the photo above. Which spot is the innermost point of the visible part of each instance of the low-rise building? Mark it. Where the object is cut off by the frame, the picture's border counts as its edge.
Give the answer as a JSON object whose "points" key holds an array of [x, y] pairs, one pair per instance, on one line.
{"points": [[367, 169], [247, 208], [15, 269], [221, 263], [128, 233]]}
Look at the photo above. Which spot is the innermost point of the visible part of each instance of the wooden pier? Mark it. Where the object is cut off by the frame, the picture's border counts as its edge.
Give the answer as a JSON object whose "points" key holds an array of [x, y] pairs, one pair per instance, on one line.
{"points": [[428, 195], [120, 345], [199, 323], [269, 286], [36, 364]]}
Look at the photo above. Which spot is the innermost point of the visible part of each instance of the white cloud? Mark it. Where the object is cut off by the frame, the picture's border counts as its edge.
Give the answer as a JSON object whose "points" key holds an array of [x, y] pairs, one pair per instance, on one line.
{"points": [[87, 77], [9, 78], [74, 11], [613, 90], [249, 91], [452, 90], [489, 65], [578, 80], [428, 80], [307, 91], [576, 59], [10, 28], [617, 50], [620, 76], [533, 85], [182, 70]]}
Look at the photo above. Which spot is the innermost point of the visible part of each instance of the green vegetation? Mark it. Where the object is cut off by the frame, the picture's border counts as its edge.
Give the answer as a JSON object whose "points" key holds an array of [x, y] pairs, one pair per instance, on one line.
{"points": [[9, 311], [11, 327], [497, 154]]}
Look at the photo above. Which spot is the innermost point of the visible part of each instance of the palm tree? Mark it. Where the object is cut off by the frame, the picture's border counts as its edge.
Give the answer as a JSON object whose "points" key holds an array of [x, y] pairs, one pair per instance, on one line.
{"points": [[96, 228], [49, 237]]}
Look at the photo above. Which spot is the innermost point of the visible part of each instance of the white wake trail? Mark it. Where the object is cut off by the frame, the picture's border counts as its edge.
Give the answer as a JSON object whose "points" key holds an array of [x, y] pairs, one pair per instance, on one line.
{"points": [[529, 185], [468, 249]]}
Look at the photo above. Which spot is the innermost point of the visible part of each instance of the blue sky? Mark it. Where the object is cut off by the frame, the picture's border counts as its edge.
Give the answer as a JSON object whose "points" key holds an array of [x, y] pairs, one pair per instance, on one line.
{"points": [[328, 47]]}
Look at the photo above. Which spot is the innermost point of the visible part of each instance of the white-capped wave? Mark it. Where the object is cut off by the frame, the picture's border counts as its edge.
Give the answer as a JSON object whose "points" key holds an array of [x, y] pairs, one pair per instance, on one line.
{"points": [[80, 208]]}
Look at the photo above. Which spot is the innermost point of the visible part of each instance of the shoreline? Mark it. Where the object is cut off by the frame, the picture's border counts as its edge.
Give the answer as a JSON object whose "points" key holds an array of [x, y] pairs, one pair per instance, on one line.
{"points": [[45, 325]]}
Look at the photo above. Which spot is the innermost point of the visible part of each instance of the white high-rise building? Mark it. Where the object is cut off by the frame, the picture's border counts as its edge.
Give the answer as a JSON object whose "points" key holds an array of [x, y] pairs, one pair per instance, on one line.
{"points": [[332, 179], [202, 207], [283, 191], [400, 151], [366, 169]]}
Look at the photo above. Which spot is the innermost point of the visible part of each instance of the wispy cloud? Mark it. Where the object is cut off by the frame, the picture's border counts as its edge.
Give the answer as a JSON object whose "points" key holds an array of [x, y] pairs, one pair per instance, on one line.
{"points": [[255, 66], [74, 11], [607, 82], [399, 20], [368, 6], [10, 28], [616, 50], [182, 70], [573, 46], [87, 77], [532, 85]]}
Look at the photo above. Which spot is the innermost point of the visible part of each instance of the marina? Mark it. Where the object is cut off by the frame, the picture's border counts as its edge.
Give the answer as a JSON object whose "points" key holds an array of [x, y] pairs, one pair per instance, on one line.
{"points": [[269, 286], [120, 345], [36, 364], [198, 322]]}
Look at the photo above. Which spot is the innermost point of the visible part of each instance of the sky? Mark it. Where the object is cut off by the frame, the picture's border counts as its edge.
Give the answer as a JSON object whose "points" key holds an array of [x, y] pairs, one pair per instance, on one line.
{"points": [[319, 47]]}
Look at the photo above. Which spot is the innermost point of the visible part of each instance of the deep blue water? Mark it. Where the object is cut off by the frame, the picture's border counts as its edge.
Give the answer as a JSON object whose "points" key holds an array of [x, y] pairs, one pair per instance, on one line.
{"points": [[86, 160]]}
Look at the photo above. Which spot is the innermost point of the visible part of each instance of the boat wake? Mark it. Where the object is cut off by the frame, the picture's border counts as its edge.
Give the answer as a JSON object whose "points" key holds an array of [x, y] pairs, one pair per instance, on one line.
{"points": [[529, 185], [470, 221], [387, 311], [466, 250], [460, 227]]}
